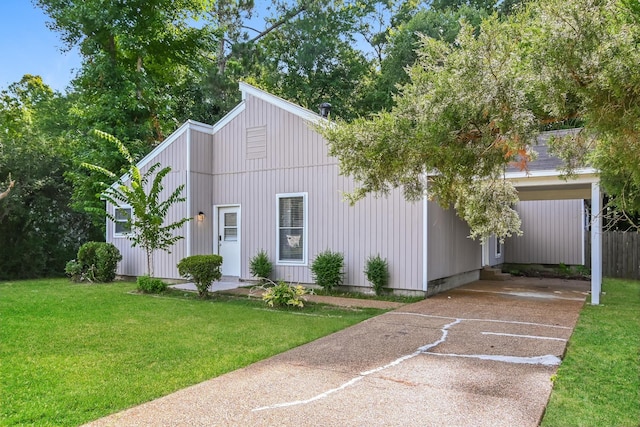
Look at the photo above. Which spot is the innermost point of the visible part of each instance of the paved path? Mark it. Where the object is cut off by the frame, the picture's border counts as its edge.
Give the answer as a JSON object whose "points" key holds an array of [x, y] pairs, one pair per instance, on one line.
{"points": [[480, 355]]}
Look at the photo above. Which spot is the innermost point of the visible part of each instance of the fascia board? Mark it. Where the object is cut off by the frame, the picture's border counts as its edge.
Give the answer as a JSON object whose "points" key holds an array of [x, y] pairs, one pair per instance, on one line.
{"points": [[290, 107]]}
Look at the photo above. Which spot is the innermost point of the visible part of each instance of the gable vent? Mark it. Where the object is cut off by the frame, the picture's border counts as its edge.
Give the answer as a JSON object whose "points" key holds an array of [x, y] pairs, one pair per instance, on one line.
{"points": [[256, 142]]}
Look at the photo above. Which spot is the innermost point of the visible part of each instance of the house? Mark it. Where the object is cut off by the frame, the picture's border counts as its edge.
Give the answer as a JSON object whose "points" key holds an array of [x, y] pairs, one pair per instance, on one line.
{"points": [[261, 178]]}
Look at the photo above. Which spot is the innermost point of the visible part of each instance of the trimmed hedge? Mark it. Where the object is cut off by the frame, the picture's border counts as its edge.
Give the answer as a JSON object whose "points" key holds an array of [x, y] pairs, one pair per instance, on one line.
{"points": [[202, 270]]}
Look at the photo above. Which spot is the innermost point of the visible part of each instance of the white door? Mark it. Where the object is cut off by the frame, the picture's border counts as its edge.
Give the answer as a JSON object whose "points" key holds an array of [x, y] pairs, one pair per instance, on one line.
{"points": [[229, 239]]}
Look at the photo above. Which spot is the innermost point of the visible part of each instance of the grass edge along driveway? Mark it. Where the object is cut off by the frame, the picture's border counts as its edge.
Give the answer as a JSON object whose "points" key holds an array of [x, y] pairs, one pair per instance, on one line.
{"points": [[72, 353], [598, 382]]}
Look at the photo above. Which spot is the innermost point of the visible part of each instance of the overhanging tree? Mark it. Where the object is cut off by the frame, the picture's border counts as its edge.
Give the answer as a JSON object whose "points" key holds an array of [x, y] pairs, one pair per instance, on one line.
{"points": [[472, 108], [460, 121], [147, 222]]}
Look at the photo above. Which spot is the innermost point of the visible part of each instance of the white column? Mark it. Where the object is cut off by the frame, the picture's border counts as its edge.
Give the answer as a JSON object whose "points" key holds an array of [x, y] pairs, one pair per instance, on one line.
{"points": [[596, 243], [425, 242]]}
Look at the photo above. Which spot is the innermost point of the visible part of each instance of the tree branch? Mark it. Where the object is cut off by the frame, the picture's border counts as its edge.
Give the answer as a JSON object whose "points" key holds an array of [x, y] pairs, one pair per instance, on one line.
{"points": [[6, 192]]}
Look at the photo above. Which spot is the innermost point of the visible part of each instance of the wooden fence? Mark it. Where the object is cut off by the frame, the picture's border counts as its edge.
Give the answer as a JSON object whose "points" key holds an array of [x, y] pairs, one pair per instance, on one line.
{"points": [[620, 254]]}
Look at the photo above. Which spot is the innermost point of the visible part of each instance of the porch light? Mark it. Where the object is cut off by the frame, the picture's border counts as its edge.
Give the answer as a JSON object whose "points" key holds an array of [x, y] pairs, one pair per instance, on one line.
{"points": [[200, 216]]}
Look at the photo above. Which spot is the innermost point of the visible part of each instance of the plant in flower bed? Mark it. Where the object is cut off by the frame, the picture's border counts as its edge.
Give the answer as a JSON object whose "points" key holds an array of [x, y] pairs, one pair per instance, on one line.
{"points": [[326, 269], [283, 294], [150, 285], [377, 272], [203, 270], [260, 266]]}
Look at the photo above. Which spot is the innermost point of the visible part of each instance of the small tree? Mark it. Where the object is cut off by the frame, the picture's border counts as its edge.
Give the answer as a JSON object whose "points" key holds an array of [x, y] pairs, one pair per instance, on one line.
{"points": [[148, 212]]}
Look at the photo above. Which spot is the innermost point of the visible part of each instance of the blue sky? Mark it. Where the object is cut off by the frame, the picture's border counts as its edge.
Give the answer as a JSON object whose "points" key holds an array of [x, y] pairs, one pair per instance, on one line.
{"points": [[27, 46]]}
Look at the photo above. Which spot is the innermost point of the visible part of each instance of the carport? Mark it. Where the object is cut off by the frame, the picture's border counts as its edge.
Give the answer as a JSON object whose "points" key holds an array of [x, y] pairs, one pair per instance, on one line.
{"points": [[542, 183]]}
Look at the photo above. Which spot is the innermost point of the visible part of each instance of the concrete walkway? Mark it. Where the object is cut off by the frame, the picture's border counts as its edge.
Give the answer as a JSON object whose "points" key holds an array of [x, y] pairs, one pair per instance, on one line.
{"points": [[480, 355]]}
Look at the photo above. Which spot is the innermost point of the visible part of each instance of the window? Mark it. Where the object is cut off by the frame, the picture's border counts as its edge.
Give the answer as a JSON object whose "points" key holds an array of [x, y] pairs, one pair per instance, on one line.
{"points": [[122, 215], [292, 228], [498, 248]]}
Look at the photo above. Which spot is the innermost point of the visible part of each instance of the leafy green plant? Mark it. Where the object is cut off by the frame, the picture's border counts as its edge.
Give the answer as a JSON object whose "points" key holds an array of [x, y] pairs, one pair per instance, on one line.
{"points": [[203, 270], [147, 222], [260, 266], [73, 269], [377, 272], [96, 262], [327, 268], [150, 285], [283, 294]]}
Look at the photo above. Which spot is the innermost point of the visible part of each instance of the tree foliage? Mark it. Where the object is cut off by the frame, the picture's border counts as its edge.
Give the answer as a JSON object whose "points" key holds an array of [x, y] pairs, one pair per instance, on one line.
{"points": [[39, 232], [471, 108], [586, 55], [143, 194], [459, 120]]}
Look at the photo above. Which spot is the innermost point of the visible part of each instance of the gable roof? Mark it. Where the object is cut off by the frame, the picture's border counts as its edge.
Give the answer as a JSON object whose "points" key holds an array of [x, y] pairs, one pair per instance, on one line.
{"points": [[292, 108]]}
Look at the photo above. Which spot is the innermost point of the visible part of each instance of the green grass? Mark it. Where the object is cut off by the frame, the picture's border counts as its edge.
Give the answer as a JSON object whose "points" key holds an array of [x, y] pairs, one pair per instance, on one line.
{"points": [[598, 383], [71, 353]]}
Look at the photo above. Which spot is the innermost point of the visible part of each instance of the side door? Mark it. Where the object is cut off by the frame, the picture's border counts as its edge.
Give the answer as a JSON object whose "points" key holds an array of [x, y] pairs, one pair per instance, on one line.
{"points": [[228, 239]]}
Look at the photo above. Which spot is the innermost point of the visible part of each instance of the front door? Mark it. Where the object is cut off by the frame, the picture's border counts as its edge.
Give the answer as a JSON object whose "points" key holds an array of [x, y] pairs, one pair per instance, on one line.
{"points": [[229, 239]]}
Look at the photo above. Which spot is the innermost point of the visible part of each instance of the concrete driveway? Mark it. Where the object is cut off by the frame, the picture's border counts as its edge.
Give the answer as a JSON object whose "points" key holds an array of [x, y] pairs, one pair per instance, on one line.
{"points": [[479, 355]]}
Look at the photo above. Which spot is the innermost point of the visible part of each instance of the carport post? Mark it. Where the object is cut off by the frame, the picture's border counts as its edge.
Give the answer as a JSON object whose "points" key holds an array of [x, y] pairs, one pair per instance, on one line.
{"points": [[596, 243]]}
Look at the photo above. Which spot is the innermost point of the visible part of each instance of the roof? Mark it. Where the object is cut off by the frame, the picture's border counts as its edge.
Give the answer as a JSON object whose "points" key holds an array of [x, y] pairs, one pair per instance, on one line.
{"points": [[544, 180], [545, 161]]}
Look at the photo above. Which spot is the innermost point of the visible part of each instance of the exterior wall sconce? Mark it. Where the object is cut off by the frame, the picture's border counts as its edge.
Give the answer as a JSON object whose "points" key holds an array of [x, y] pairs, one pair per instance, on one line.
{"points": [[200, 216]]}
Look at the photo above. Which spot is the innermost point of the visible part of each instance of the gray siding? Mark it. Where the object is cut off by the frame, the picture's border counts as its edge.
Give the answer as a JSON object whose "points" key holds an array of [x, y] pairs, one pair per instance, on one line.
{"points": [[201, 192], [262, 150], [134, 261], [295, 160], [451, 251], [552, 233]]}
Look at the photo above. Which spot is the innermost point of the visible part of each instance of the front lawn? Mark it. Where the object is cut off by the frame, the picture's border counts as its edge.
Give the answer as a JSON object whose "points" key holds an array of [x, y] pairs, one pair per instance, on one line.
{"points": [[598, 383], [71, 353]]}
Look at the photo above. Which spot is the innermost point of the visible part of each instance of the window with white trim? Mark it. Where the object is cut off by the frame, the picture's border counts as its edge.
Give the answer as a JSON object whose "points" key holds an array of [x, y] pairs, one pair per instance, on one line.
{"points": [[291, 235], [122, 217]]}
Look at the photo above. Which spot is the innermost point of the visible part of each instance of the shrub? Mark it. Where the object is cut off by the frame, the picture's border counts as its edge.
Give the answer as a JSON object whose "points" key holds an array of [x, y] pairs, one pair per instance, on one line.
{"points": [[260, 266], [73, 269], [377, 272], [203, 270], [284, 294], [96, 262], [327, 269], [150, 285]]}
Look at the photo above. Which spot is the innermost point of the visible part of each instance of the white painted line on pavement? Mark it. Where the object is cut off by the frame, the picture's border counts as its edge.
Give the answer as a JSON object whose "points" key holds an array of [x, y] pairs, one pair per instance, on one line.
{"points": [[524, 336]]}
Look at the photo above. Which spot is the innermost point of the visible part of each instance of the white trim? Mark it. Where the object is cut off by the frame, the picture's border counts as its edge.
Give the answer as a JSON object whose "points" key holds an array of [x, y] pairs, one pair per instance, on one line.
{"points": [[596, 243], [551, 173], [425, 240], [583, 223], [185, 127], [188, 191], [290, 107], [228, 117], [115, 234], [305, 233]]}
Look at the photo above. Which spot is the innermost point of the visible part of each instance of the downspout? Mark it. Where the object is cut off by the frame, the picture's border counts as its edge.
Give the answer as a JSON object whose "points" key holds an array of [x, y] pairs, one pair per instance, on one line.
{"points": [[188, 190], [425, 239]]}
